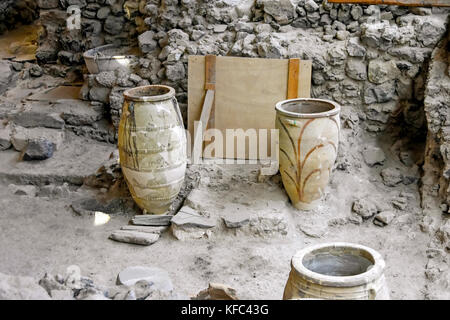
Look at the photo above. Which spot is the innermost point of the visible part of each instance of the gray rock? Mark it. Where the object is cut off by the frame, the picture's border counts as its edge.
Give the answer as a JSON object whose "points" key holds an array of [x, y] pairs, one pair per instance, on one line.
{"points": [[76, 112], [103, 12], [382, 71], [384, 218], [23, 190], [270, 49], [371, 34], [175, 72], [6, 74], [283, 11], [39, 149], [36, 70], [342, 35], [146, 229], [391, 176], [21, 136], [430, 32], [5, 137], [100, 94], [134, 237], [355, 49], [236, 219], [158, 278], [114, 25], [400, 202], [188, 217], [47, 4], [33, 119], [49, 283], [373, 156], [336, 55], [365, 208], [219, 28], [146, 41], [356, 69], [379, 94], [106, 78], [151, 220], [311, 6], [356, 12], [21, 288]]}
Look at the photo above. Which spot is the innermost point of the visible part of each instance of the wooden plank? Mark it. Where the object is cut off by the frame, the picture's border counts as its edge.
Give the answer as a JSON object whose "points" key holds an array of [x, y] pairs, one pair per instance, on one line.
{"points": [[304, 79], [409, 3], [210, 72], [204, 117], [294, 67], [247, 90]]}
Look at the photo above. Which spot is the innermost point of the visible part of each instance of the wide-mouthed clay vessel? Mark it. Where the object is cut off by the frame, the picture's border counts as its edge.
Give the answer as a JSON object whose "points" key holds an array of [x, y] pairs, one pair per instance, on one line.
{"points": [[309, 139], [337, 271], [152, 146]]}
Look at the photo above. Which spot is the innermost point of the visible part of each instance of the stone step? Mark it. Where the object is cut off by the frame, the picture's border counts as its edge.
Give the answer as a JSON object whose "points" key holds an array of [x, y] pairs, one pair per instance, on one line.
{"points": [[55, 114], [20, 137], [77, 158]]}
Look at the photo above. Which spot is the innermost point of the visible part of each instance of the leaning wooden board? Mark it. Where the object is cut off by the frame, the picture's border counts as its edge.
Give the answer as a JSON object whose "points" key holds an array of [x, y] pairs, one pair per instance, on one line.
{"points": [[246, 92]]}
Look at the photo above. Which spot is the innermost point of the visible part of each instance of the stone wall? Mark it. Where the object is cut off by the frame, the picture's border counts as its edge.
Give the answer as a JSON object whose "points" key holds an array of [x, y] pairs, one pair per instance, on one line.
{"points": [[437, 154], [371, 59], [101, 22], [14, 12]]}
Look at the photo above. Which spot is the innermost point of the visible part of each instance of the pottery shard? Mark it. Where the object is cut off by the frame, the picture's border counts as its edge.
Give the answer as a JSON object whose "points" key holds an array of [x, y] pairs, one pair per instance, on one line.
{"points": [[134, 237], [217, 291], [159, 278]]}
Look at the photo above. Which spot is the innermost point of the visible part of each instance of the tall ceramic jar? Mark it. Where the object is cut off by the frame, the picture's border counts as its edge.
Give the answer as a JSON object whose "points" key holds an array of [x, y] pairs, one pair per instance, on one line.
{"points": [[309, 138], [337, 271], [152, 146]]}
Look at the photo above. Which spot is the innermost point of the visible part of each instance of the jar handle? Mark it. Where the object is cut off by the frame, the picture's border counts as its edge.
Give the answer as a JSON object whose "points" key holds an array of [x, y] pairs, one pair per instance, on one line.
{"points": [[372, 292]]}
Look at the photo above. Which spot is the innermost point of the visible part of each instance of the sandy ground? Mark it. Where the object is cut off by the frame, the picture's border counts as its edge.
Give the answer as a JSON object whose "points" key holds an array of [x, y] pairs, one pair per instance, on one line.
{"points": [[39, 235]]}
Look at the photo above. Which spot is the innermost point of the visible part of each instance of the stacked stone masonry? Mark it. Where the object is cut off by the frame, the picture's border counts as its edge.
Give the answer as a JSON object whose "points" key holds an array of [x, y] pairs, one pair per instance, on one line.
{"points": [[373, 60], [15, 12]]}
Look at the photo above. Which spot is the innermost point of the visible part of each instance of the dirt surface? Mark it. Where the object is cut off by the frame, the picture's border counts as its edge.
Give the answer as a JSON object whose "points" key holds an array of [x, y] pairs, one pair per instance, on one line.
{"points": [[41, 235]]}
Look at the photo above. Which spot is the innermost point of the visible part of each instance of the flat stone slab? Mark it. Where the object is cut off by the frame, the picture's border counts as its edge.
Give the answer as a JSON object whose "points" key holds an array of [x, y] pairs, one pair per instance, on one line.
{"points": [[54, 94], [188, 217], [146, 229], [75, 160], [159, 278], [236, 219], [151, 220], [134, 237], [21, 136]]}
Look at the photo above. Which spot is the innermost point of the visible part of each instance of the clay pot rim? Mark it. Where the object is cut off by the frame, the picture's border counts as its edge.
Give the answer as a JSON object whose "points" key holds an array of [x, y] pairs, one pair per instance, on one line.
{"points": [[90, 54], [338, 281], [131, 95], [335, 110]]}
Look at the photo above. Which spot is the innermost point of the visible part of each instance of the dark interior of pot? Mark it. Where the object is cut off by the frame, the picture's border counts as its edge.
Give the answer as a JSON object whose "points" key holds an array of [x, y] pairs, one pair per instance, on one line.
{"points": [[307, 106], [339, 262], [148, 91]]}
